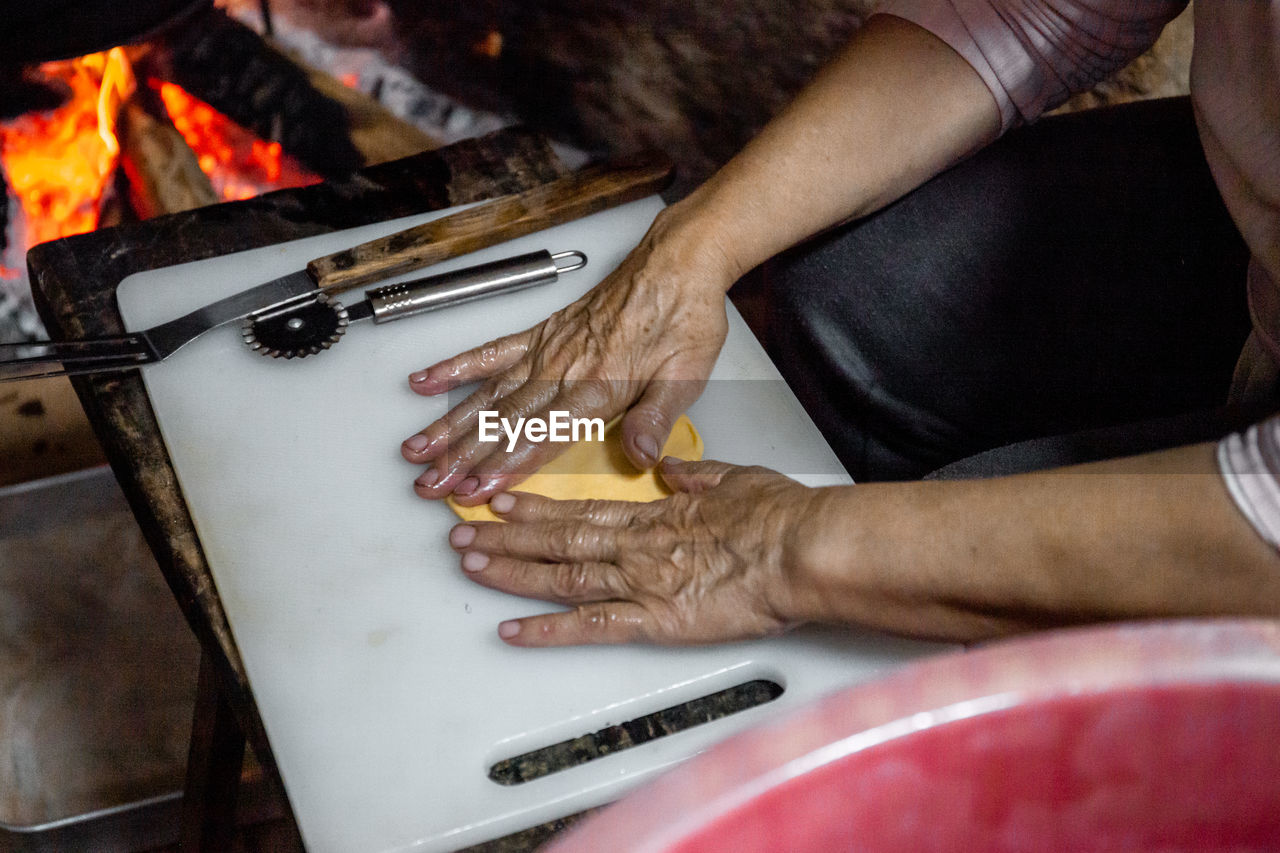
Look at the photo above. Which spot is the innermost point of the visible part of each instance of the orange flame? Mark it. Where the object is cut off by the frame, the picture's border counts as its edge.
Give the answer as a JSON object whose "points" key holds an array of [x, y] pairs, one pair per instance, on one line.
{"points": [[58, 163], [238, 164]]}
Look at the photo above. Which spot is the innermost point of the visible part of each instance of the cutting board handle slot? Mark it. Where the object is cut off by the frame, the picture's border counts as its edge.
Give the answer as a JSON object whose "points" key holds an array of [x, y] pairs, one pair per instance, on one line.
{"points": [[573, 752]]}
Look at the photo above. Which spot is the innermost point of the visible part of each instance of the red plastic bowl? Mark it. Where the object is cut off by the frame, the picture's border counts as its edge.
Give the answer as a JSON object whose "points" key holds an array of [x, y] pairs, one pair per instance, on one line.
{"points": [[1149, 737]]}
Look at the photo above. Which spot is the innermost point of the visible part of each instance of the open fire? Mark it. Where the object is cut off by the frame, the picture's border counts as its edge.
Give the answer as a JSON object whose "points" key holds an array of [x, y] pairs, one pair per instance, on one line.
{"points": [[60, 164], [239, 164]]}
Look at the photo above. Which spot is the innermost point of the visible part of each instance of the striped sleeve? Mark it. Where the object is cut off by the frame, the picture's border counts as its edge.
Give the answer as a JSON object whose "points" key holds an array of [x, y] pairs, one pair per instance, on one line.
{"points": [[1034, 54], [1250, 465]]}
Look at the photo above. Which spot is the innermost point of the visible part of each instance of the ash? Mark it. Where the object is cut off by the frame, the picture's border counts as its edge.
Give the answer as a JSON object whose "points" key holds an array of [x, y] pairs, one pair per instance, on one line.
{"points": [[18, 318], [367, 70], [373, 71]]}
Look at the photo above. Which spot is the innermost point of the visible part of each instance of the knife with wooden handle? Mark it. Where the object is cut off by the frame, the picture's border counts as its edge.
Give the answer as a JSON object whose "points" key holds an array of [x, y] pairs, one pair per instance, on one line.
{"points": [[583, 193], [587, 191]]}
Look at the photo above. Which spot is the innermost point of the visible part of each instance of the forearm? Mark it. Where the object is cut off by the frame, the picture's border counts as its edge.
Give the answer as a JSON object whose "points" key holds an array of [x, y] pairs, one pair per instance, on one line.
{"points": [[896, 107], [1151, 536]]}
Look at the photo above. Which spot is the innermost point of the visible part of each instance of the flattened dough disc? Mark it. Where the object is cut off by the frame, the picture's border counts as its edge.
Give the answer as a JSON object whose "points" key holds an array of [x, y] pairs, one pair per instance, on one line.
{"points": [[599, 470]]}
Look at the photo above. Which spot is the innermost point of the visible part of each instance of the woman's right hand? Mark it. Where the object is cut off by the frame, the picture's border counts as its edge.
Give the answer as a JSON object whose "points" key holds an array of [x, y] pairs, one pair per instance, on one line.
{"points": [[643, 342]]}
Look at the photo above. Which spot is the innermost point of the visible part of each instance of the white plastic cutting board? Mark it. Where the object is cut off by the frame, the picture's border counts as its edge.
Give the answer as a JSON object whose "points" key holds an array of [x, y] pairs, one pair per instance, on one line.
{"points": [[385, 691]]}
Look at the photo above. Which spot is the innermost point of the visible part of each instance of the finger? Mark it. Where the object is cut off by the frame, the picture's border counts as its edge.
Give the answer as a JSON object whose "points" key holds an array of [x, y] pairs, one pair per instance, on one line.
{"points": [[474, 364], [693, 477], [580, 398], [648, 423], [560, 583], [455, 458], [544, 541], [431, 442], [501, 469], [525, 506], [591, 624]]}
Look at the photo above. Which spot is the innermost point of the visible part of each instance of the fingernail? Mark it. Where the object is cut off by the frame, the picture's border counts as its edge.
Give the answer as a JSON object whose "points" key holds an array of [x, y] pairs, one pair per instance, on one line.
{"points": [[647, 447], [462, 536], [474, 561], [467, 486], [507, 630], [420, 376], [502, 502], [417, 443], [429, 478]]}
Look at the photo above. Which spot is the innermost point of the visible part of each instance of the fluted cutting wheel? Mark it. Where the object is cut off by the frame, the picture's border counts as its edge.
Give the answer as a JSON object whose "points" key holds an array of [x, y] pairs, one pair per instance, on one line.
{"points": [[299, 331]]}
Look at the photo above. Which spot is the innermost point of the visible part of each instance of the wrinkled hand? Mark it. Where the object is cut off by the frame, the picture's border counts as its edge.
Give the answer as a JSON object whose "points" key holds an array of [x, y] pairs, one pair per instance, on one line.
{"points": [[642, 341], [711, 563]]}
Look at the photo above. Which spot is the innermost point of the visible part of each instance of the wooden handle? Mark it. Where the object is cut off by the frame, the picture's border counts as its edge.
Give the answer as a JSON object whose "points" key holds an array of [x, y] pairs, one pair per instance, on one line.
{"points": [[588, 191]]}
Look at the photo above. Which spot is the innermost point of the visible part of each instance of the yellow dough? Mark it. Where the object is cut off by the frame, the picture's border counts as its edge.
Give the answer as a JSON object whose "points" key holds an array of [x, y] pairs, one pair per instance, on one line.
{"points": [[599, 470]]}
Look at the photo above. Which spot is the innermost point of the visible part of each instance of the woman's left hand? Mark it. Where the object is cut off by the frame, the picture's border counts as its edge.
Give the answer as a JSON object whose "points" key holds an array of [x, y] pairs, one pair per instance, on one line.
{"points": [[711, 563]]}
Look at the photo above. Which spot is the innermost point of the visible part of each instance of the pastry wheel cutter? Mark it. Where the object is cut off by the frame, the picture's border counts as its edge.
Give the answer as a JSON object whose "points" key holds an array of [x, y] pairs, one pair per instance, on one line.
{"points": [[295, 315], [296, 330]]}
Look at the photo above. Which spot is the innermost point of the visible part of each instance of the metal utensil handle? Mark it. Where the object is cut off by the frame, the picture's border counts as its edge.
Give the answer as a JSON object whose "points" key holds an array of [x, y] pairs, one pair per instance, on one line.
{"points": [[405, 299], [40, 359]]}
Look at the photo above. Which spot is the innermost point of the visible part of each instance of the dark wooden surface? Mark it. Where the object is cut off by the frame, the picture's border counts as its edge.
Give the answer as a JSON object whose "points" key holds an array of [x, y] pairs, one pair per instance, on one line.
{"points": [[74, 283], [214, 766]]}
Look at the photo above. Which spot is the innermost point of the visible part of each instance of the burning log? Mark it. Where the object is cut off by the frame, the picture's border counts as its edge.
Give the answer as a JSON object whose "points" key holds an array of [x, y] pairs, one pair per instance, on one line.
{"points": [[230, 67], [239, 164], [163, 173], [376, 133]]}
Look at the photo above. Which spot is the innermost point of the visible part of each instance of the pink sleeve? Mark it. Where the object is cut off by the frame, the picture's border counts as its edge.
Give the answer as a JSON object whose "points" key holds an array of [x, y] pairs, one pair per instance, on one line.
{"points": [[1034, 54]]}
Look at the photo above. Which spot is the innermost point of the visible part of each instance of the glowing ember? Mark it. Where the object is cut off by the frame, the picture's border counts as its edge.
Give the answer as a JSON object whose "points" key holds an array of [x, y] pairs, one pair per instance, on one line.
{"points": [[238, 164], [58, 163]]}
